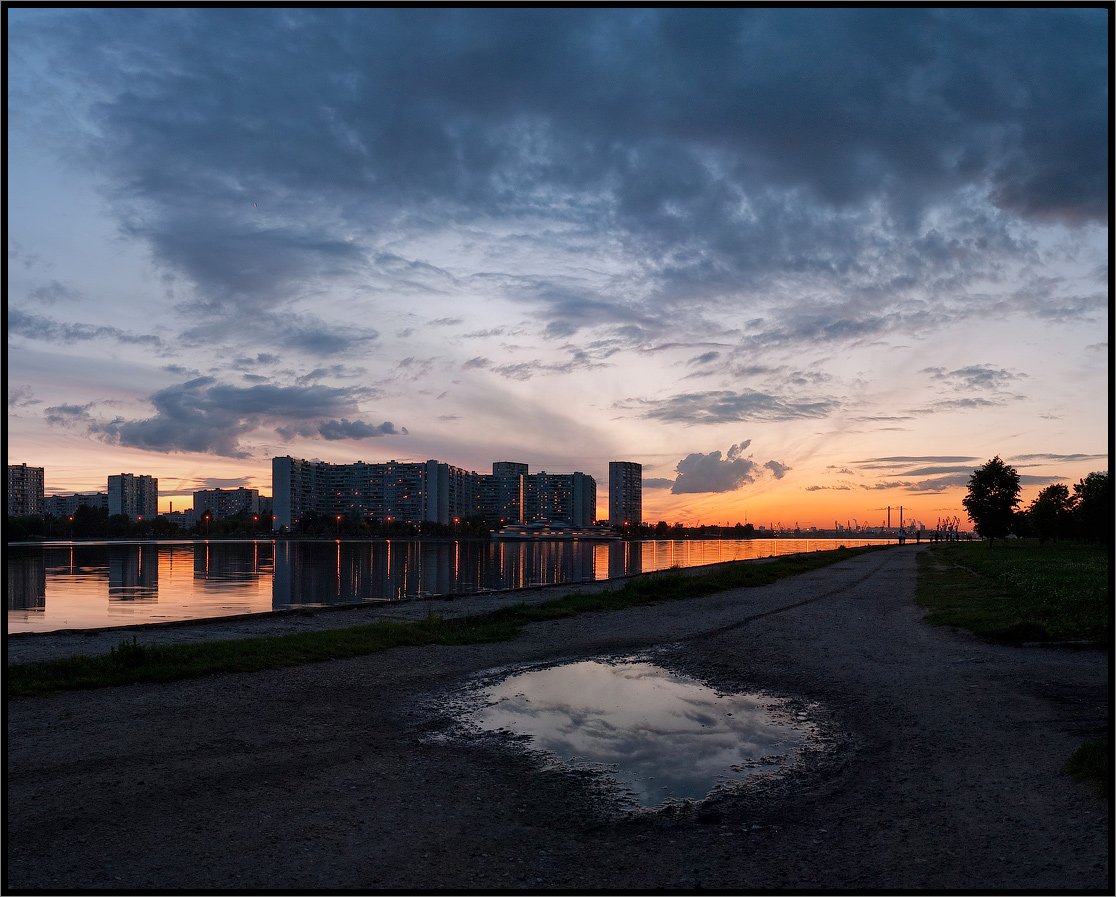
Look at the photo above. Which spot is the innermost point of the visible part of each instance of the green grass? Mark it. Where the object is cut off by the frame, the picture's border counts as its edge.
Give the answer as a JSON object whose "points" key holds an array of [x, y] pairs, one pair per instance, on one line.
{"points": [[1092, 763], [133, 662], [1019, 591]]}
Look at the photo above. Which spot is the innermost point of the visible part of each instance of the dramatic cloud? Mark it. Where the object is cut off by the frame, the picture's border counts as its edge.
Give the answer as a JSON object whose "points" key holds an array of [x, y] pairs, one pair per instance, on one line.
{"points": [[712, 473], [541, 115], [657, 483], [579, 231], [203, 415]]}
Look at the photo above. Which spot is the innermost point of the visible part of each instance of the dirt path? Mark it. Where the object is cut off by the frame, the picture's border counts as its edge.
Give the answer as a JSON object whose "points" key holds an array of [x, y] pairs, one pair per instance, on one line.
{"points": [[940, 768]]}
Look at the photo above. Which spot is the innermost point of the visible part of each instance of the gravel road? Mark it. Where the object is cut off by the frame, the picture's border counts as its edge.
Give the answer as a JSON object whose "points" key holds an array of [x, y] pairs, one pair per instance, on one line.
{"points": [[937, 767]]}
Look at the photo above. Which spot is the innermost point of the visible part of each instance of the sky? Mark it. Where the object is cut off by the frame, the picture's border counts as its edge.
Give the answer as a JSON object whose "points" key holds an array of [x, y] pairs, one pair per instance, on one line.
{"points": [[801, 264]]}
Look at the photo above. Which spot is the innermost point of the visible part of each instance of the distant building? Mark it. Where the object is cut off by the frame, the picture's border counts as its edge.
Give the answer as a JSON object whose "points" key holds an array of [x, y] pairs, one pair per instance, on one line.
{"points": [[427, 491], [391, 491], [136, 496], [625, 493], [221, 503], [67, 505], [181, 519], [25, 490], [561, 497]]}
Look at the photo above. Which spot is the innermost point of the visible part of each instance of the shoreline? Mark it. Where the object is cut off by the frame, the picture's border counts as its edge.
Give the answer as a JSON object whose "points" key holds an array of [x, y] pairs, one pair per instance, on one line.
{"points": [[28, 647]]}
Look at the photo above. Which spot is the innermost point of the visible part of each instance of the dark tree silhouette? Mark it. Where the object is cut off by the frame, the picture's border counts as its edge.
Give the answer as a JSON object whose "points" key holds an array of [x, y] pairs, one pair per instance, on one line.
{"points": [[1093, 507], [1049, 513], [993, 495]]}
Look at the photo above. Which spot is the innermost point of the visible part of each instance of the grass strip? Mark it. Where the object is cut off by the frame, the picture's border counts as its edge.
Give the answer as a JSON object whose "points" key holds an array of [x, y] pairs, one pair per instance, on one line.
{"points": [[1019, 591], [132, 662]]}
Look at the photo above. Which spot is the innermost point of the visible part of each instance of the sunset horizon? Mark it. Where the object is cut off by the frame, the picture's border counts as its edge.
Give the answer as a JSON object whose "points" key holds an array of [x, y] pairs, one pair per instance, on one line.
{"points": [[802, 265]]}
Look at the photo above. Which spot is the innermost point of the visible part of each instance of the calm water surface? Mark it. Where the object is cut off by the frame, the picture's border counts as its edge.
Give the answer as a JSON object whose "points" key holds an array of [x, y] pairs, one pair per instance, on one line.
{"points": [[88, 585], [661, 736]]}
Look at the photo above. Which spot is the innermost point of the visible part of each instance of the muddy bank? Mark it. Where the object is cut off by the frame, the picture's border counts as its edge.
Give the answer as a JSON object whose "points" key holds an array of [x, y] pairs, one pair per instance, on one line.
{"points": [[937, 766]]}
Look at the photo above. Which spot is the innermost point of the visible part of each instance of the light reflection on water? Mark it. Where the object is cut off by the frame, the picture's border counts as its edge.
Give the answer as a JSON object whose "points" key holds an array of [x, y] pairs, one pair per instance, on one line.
{"points": [[660, 735], [87, 585]]}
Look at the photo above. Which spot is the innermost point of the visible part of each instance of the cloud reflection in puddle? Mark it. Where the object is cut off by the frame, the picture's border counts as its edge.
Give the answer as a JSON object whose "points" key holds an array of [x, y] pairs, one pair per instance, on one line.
{"points": [[662, 736]]}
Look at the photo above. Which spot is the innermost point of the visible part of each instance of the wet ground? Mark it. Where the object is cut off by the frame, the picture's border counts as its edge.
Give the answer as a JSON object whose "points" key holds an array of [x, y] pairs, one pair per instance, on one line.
{"points": [[938, 764]]}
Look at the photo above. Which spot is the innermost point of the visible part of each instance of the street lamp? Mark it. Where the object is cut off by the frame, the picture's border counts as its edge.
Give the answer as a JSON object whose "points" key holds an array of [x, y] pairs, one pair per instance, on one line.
{"points": [[337, 531]]}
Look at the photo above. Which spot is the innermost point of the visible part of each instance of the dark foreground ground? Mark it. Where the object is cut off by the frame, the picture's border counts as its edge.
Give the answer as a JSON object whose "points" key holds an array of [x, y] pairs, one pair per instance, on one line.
{"points": [[939, 765]]}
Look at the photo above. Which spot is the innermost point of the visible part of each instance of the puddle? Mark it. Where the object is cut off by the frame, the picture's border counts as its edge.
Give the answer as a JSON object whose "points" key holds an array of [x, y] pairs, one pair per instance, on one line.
{"points": [[661, 736]]}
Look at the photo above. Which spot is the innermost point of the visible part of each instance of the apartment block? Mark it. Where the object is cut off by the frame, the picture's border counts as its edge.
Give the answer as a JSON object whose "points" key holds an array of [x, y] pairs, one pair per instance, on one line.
{"points": [[625, 493], [136, 496], [25, 490], [427, 491], [67, 505], [561, 497], [391, 491], [222, 503]]}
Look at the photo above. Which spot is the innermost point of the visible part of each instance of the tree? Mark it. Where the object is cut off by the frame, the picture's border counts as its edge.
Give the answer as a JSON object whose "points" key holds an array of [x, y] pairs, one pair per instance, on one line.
{"points": [[1093, 507], [1049, 513], [992, 497]]}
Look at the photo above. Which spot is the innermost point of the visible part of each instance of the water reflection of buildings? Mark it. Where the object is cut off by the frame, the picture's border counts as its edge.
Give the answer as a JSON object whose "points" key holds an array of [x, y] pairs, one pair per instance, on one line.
{"points": [[25, 575], [225, 565], [350, 572], [133, 573]]}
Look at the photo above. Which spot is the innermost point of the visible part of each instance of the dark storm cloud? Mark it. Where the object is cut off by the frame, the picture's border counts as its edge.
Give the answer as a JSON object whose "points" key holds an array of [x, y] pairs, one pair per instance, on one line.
{"points": [[720, 149], [203, 415], [721, 406], [39, 327]]}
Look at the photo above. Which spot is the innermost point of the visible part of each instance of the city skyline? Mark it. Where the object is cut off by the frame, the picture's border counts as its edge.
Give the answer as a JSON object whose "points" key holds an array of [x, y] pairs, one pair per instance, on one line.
{"points": [[799, 264]]}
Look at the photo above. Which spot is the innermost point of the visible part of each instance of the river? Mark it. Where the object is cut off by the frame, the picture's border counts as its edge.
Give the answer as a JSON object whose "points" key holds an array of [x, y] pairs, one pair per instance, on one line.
{"points": [[91, 585]]}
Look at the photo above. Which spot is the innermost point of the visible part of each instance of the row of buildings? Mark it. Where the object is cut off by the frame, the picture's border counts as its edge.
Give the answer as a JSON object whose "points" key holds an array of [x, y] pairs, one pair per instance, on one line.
{"points": [[402, 491], [435, 492], [134, 495]]}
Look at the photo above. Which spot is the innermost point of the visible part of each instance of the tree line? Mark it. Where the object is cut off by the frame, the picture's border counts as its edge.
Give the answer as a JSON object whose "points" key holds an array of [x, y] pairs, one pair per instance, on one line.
{"points": [[1085, 512]]}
